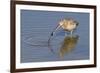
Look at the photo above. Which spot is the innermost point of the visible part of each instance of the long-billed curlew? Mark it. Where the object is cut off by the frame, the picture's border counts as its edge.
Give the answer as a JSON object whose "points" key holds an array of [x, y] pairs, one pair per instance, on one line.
{"points": [[67, 24]]}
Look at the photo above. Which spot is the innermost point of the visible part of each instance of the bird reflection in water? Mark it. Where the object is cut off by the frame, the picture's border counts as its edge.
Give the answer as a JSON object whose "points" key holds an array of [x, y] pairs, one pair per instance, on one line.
{"points": [[68, 45]]}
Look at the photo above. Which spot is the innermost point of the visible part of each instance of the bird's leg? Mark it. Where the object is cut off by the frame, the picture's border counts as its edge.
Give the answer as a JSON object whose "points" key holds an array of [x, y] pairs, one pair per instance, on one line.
{"points": [[65, 33], [71, 33]]}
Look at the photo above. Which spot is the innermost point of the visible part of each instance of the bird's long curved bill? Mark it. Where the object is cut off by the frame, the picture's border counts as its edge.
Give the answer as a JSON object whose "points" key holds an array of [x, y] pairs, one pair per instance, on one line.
{"points": [[52, 33]]}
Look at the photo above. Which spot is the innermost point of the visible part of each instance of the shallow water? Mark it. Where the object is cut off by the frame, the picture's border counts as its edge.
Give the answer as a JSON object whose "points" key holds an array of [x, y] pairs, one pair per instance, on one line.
{"points": [[36, 27]]}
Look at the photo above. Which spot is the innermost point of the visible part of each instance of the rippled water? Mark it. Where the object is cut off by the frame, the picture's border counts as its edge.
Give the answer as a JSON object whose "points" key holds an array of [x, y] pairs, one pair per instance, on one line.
{"points": [[36, 27]]}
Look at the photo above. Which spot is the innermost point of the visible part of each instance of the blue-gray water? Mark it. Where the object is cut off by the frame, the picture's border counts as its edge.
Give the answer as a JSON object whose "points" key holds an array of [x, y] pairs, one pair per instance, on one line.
{"points": [[36, 27]]}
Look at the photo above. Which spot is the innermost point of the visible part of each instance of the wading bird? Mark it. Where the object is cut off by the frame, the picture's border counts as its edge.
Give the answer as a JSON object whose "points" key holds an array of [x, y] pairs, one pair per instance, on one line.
{"points": [[66, 24]]}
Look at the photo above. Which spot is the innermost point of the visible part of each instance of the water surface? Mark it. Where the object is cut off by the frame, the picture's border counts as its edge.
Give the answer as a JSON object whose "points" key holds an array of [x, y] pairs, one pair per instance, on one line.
{"points": [[36, 27]]}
